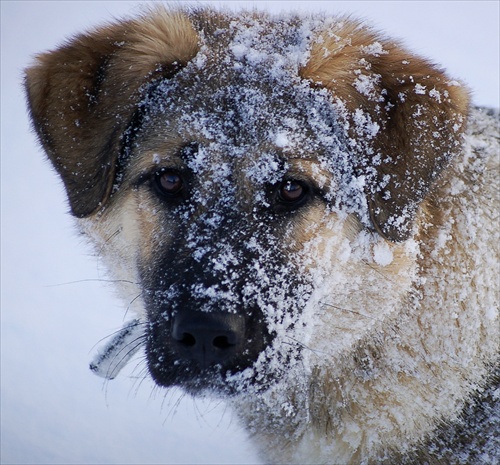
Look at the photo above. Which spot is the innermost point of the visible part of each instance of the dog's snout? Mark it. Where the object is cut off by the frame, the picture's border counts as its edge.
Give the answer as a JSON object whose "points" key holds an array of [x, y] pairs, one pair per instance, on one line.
{"points": [[208, 339]]}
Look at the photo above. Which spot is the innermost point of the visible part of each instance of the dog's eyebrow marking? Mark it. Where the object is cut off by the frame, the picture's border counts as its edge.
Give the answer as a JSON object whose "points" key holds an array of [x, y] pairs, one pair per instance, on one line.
{"points": [[312, 169], [154, 159]]}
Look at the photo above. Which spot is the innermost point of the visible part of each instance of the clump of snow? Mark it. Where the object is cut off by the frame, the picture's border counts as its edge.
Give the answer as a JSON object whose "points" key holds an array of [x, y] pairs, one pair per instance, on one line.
{"points": [[382, 253], [365, 126], [113, 357], [281, 140], [367, 85], [419, 89], [376, 49], [435, 94]]}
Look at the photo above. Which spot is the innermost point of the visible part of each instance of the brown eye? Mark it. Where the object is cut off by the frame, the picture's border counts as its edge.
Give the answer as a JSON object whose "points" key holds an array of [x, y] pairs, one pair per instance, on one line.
{"points": [[169, 183], [292, 191]]}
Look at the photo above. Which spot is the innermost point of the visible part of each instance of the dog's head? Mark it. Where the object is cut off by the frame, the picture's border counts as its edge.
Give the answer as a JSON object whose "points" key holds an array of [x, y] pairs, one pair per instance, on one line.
{"points": [[229, 167]]}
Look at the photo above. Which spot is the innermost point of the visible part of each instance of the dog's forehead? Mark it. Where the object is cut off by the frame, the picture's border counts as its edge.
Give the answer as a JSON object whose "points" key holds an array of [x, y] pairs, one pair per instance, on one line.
{"points": [[244, 104], [243, 89]]}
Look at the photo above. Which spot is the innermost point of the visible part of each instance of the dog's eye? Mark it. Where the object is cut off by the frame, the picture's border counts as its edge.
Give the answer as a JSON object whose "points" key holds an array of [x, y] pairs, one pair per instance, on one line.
{"points": [[169, 183], [290, 195], [292, 191]]}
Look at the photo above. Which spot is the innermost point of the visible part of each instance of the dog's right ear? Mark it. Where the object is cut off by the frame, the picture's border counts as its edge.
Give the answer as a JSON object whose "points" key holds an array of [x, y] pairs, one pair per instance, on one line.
{"points": [[83, 96]]}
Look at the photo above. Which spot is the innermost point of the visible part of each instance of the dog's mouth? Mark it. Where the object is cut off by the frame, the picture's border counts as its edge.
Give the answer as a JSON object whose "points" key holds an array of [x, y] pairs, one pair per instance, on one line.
{"points": [[215, 379], [200, 351]]}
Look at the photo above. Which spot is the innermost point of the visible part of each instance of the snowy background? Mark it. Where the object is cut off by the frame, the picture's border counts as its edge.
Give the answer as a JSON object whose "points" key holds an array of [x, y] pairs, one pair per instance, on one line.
{"points": [[54, 307]]}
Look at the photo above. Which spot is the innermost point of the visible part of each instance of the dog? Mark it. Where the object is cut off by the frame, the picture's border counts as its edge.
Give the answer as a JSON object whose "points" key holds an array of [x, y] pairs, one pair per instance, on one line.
{"points": [[303, 216]]}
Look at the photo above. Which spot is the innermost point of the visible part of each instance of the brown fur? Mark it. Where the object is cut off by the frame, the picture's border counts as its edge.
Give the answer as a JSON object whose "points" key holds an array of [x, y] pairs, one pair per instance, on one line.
{"points": [[83, 97]]}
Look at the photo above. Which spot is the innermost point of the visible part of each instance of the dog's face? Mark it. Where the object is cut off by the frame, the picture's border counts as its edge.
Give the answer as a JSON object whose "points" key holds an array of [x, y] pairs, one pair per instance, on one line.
{"points": [[250, 184], [231, 173]]}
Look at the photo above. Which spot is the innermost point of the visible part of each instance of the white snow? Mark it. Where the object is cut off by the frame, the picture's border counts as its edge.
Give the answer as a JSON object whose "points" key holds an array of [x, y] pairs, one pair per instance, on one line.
{"points": [[367, 85], [374, 49], [419, 89], [382, 253], [281, 139], [115, 355]]}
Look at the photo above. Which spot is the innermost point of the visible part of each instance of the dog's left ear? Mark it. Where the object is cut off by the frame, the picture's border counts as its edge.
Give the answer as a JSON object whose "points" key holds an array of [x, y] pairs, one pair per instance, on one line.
{"points": [[83, 96], [405, 118]]}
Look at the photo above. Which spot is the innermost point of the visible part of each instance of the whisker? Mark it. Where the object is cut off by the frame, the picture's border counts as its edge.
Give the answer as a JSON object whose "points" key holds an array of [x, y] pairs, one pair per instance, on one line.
{"points": [[131, 303], [199, 415], [173, 408], [113, 281], [224, 412], [301, 344], [141, 377], [100, 252], [114, 333], [141, 368], [380, 272], [108, 239], [350, 311]]}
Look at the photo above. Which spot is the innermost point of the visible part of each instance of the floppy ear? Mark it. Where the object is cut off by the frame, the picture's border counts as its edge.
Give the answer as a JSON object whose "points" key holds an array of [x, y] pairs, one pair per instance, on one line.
{"points": [[405, 118], [84, 95]]}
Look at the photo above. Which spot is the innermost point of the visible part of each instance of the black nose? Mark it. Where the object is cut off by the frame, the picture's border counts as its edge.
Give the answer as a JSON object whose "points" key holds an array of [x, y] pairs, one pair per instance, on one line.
{"points": [[208, 338]]}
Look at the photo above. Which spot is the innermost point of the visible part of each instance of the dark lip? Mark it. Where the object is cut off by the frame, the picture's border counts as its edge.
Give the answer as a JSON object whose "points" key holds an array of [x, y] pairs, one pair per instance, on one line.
{"points": [[197, 382]]}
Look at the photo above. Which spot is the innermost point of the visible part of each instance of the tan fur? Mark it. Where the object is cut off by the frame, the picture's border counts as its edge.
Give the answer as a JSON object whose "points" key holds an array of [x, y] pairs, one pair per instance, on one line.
{"points": [[405, 312]]}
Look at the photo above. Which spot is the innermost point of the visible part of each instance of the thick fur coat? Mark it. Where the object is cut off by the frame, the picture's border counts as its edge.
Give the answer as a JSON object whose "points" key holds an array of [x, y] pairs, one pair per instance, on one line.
{"points": [[304, 216]]}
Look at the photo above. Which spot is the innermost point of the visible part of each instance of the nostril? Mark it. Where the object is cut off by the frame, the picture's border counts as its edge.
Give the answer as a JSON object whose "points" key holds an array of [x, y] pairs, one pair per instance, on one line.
{"points": [[221, 342], [188, 340], [207, 339]]}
